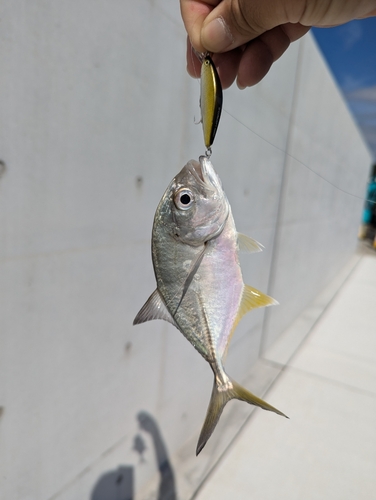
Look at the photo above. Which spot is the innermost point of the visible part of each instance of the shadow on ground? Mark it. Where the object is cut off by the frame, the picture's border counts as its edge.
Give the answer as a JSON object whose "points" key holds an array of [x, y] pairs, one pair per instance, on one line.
{"points": [[119, 484]]}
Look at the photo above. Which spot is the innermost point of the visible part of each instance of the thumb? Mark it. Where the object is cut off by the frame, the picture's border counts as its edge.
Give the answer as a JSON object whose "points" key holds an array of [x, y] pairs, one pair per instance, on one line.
{"points": [[235, 22]]}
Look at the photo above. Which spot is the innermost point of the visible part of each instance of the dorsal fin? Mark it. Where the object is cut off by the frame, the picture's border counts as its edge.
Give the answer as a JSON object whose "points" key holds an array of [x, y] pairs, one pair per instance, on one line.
{"points": [[247, 244], [154, 308]]}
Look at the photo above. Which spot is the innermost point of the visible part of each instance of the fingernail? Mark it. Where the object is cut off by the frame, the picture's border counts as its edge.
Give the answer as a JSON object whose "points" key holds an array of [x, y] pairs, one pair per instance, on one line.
{"points": [[240, 87], [216, 36]]}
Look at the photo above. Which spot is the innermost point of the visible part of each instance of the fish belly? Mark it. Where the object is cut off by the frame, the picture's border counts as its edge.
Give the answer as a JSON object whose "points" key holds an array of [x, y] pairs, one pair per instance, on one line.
{"points": [[207, 313], [222, 288]]}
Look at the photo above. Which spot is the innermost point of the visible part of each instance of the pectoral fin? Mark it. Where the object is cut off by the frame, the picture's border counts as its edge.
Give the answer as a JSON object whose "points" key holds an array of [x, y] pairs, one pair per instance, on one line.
{"points": [[247, 244], [154, 308], [192, 271]]}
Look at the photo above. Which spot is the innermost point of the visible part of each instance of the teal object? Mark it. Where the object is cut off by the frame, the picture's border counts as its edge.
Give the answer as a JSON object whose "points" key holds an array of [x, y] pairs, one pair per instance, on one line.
{"points": [[369, 212]]}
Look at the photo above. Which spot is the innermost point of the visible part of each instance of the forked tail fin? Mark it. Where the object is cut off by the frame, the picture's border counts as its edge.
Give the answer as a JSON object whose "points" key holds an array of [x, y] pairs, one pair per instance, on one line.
{"points": [[219, 399]]}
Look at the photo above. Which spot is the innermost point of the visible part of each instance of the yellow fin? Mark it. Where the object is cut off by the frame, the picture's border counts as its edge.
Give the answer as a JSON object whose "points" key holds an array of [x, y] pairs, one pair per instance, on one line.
{"points": [[251, 299], [218, 401]]}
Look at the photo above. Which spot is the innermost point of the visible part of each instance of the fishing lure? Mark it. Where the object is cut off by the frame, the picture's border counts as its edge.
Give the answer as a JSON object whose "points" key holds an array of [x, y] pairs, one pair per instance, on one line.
{"points": [[211, 99]]}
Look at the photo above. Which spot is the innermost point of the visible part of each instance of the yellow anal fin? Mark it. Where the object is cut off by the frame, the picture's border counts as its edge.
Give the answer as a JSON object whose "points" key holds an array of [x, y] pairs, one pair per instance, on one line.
{"points": [[252, 299]]}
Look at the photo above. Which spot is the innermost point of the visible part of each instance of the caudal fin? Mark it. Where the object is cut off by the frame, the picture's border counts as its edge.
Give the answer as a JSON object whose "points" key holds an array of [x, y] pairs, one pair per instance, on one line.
{"points": [[219, 399]]}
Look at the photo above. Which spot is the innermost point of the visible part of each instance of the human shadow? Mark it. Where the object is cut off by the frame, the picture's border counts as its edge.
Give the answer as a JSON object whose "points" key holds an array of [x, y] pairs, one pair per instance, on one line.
{"points": [[167, 489], [115, 485], [119, 484]]}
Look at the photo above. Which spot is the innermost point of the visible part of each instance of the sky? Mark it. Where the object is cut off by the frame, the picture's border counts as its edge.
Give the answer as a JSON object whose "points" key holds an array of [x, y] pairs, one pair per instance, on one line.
{"points": [[350, 51]]}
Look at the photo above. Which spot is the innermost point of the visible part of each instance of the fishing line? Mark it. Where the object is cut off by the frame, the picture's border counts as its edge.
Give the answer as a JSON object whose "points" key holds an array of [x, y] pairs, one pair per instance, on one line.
{"points": [[348, 193], [298, 161]]}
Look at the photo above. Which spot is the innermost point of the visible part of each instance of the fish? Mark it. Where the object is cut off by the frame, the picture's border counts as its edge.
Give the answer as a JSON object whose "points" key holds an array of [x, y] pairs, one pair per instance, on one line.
{"points": [[211, 99], [200, 288]]}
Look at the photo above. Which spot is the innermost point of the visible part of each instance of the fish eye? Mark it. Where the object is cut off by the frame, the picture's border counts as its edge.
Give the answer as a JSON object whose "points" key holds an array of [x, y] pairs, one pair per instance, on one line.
{"points": [[183, 199]]}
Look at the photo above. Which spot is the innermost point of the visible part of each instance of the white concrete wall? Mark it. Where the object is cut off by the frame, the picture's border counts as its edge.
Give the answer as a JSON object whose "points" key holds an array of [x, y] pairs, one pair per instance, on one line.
{"points": [[96, 117]]}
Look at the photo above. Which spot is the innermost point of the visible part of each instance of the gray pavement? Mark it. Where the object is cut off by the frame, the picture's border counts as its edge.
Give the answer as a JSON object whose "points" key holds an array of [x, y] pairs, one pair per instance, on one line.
{"points": [[327, 450]]}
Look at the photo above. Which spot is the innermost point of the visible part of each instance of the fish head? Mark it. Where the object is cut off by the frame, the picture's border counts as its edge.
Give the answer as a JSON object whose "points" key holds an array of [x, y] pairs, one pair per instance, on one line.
{"points": [[199, 206]]}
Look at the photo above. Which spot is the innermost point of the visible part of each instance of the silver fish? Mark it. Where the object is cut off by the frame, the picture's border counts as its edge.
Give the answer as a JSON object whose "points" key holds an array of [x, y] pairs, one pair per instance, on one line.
{"points": [[200, 289]]}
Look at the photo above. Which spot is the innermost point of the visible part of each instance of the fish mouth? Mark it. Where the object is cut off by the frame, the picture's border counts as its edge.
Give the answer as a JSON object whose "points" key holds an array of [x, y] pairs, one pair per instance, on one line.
{"points": [[209, 175], [204, 174], [195, 169], [213, 182]]}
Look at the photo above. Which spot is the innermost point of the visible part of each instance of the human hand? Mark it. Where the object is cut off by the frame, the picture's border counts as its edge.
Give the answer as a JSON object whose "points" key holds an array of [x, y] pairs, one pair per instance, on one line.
{"points": [[247, 36]]}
